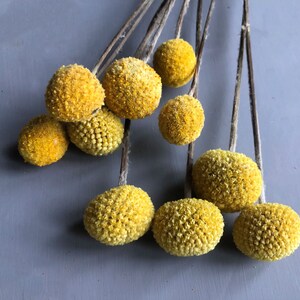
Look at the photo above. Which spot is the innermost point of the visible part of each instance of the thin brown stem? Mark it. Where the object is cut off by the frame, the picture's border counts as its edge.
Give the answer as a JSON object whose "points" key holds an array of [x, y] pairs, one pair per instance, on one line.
{"points": [[237, 90], [121, 37], [253, 104], [200, 43], [183, 11], [143, 52]]}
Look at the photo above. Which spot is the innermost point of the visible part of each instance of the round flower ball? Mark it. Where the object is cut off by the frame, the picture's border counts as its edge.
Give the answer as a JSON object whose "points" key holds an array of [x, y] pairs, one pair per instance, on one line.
{"points": [[73, 94], [188, 227], [133, 89], [181, 120], [43, 141], [230, 180], [119, 216], [175, 62], [267, 232], [101, 135]]}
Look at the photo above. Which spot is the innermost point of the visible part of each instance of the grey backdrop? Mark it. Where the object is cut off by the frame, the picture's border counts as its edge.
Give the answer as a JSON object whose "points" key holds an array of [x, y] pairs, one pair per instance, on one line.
{"points": [[44, 251]]}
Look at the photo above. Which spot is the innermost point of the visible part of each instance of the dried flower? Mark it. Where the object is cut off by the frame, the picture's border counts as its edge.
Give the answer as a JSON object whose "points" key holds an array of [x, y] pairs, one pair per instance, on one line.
{"points": [[181, 120], [43, 141], [267, 231], [73, 94], [229, 180], [101, 135], [119, 216], [188, 227], [175, 62], [133, 89]]}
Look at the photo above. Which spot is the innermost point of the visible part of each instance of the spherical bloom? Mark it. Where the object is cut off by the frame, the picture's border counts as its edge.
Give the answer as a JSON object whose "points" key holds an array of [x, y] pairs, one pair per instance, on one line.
{"points": [[229, 180], [188, 227], [119, 216], [101, 135], [42, 141], [267, 232], [133, 89], [181, 120], [175, 62], [73, 94]]}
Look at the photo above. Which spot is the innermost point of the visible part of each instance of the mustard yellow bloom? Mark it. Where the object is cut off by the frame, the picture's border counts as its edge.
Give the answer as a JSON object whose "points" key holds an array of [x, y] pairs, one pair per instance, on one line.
{"points": [[133, 89], [73, 94], [101, 135], [119, 216], [175, 62], [188, 227], [181, 120], [229, 180], [267, 232], [42, 141]]}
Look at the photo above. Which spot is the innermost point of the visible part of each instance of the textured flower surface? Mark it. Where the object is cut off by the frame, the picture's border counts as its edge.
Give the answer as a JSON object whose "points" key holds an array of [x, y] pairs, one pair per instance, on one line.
{"points": [[175, 62], [119, 216], [101, 135], [133, 89], [73, 94], [43, 141], [181, 120], [188, 227], [230, 180], [267, 232]]}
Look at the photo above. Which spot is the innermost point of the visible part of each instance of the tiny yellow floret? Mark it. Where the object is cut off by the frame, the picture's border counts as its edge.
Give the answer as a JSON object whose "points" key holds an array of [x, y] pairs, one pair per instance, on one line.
{"points": [[181, 120], [188, 227], [230, 180], [175, 62], [267, 232], [73, 94], [43, 141], [101, 135], [133, 89], [119, 216]]}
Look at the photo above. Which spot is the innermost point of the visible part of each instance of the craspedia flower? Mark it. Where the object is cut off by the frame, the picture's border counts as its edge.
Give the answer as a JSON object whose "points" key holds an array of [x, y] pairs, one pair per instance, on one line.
{"points": [[73, 94], [119, 216], [101, 135], [267, 231], [181, 120], [230, 180], [175, 62], [133, 89], [188, 227], [42, 141]]}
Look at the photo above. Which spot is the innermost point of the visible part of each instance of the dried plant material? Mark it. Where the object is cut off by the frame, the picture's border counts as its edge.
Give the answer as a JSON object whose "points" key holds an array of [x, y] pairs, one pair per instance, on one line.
{"points": [[188, 227], [43, 141], [73, 94], [101, 135], [181, 120], [267, 231], [119, 216], [230, 180], [133, 89]]}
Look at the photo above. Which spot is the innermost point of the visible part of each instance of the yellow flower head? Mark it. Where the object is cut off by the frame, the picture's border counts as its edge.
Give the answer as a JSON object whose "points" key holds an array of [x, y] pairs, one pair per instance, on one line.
{"points": [[175, 62], [267, 232], [73, 94], [188, 227], [229, 180], [119, 216], [181, 120], [101, 135], [43, 141], [133, 89]]}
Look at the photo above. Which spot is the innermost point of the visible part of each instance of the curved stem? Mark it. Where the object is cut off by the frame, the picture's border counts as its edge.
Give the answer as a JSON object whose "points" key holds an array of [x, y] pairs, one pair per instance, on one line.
{"points": [[253, 104], [183, 11]]}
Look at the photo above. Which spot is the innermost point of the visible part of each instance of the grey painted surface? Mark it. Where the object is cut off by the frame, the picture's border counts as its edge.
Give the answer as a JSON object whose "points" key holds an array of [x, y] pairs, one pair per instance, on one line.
{"points": [[44, 252]]}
